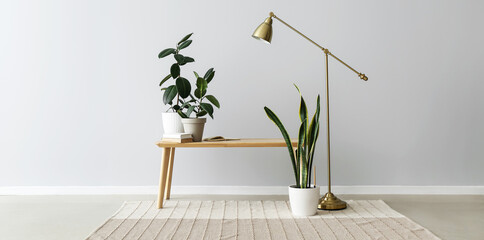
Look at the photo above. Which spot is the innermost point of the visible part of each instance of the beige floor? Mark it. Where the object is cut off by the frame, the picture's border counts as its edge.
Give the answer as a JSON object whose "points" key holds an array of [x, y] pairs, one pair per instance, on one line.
{"points": [[75, 217]]}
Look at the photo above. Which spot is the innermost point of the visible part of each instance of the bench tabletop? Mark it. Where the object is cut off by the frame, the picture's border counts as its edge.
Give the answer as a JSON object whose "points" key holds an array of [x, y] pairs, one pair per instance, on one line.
{"points": [[243, 142]]}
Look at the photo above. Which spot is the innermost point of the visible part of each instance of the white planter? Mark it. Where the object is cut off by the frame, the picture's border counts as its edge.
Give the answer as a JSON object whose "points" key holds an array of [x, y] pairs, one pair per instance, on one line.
{"points": [[194, 126], [304, 201], [172, 122]]}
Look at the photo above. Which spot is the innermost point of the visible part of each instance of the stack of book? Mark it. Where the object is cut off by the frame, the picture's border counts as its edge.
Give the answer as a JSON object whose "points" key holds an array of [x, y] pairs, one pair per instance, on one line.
{"points": [[177, 137]]}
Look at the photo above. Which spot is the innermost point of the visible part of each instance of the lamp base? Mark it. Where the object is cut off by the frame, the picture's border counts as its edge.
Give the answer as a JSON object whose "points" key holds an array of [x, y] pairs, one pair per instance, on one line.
{"points": [[330, 202]]}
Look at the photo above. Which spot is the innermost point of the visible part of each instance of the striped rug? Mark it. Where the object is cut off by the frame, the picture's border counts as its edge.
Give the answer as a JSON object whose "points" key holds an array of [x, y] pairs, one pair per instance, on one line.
{"points": [[256, 220]]}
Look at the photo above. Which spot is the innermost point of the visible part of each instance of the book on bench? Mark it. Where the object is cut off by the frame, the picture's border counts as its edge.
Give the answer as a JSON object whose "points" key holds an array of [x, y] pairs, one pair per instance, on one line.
{"points": [[177, 137]]}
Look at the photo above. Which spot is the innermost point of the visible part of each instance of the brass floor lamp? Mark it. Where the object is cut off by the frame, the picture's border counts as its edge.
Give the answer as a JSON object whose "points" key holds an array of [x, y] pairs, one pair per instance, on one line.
{"points": [[264, 32]]}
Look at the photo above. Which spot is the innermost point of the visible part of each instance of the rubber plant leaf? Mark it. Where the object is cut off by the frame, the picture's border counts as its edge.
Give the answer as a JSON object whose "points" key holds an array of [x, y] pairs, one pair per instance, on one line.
{"points": [[166, 52], [183, 86], [208, 108], [175, 70], [209, 71], [184, 44], [165, 79], [213, 100], [180, 59], [170, 94], [185, 38]]}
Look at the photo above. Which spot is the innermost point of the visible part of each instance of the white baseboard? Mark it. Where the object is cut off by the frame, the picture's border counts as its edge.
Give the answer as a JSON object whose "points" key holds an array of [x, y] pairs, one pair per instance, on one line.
{"points": [[236, 190]]}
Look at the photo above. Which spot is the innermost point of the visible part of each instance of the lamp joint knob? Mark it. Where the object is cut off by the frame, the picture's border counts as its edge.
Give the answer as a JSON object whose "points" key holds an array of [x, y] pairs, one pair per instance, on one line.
{"points": [[363, 76]]}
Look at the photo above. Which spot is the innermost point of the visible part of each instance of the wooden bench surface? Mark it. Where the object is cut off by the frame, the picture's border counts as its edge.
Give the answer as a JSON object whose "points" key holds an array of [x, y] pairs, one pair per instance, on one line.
{"points": [[243, 142]]}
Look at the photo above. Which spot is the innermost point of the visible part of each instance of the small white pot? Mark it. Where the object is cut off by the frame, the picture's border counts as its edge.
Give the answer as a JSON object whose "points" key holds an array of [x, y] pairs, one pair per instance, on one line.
{"points": [[194, 126], [304, 201], [172, 122]]}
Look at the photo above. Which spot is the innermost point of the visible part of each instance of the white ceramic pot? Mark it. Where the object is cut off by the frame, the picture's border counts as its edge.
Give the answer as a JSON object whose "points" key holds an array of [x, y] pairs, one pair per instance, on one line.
{"points": [[304, 201], [172, 122], [194, 126]]}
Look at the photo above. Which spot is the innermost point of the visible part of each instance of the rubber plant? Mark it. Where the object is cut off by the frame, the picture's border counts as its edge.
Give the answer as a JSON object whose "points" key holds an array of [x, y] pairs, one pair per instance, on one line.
{"points": [[186, 103], [195, 104], [302, 157]]}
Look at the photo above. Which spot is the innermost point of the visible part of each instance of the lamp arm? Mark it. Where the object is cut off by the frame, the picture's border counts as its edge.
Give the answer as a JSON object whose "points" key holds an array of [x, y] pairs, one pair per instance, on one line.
{"points": [[325, 50]]}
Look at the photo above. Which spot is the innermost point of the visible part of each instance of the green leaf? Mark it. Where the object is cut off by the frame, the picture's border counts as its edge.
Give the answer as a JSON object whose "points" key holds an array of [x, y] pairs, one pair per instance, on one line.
{"points": [[313, 133], [202, 113], [208, 108], [185, 38], [180, 59], [209, 71], [183, 86], [184, 44], [183, 115], [199, 94], [210, 77], [303, 110], [166, 52], [287, 139], [170, 94], [301, 154], [165, 79], [196, 74], [213, 100], [190, 110], [188, 59], [185, 104], [175, 70], [202, 84]]}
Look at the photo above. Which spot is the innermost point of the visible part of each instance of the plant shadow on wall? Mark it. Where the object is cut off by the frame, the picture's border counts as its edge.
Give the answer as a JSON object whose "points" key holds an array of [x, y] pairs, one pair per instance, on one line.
{"points": [[303, 196], [179, 95]]}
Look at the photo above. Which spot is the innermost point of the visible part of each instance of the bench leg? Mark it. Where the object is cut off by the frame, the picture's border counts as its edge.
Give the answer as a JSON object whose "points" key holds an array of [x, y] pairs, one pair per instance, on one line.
{"points": [[170, 174], [163, 174]]}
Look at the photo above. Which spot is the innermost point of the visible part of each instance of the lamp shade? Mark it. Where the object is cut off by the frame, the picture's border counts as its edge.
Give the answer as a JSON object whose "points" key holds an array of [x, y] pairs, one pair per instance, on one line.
{"points": [[264, 31]]}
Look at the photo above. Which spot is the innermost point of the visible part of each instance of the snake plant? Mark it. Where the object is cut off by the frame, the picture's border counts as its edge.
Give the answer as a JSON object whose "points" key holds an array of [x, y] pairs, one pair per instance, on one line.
{"points": [[302, 156]]}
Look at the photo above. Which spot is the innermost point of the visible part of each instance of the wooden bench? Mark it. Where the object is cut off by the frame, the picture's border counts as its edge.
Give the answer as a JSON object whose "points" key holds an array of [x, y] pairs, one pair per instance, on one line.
{"points": [[168, 156]]}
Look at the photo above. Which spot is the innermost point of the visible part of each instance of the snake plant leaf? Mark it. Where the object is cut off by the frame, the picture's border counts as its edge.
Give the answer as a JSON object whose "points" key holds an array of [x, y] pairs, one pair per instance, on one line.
{"points": [[314, 126], [303, 110], [165, 79], [183, 86], [184, 44], [313, 136], [188, 59], [170, 94], [185, 38], [180, 59], [272, 116], [213, 100], [209, 71], [166, 52], [175, 70], [210, 77], [208, 108], [301, 149]]}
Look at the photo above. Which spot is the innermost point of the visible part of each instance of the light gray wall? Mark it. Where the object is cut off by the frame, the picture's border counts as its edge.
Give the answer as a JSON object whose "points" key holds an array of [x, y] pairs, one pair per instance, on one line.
{"points": [[80, 104]]}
